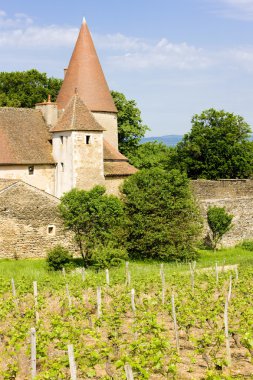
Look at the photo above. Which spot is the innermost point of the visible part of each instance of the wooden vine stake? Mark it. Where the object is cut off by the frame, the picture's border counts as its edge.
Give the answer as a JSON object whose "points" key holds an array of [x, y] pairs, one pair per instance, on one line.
{"points": [[163, 289], [133, 300], [175, 322], [83, 274], [35, 294], [192, 271], [72, 363], [128, 275], [14, 291], [68, 296], [129, 372], [216, 273], [33, 352], [228, 351], [99, 302], [107, 277], [230, 289], [64, 272]]}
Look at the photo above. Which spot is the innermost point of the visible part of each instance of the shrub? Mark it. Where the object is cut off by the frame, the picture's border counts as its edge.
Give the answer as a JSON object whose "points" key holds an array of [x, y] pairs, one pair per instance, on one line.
{"points": [[219, 222], [247, 244], [58, 257], [106, 256]]}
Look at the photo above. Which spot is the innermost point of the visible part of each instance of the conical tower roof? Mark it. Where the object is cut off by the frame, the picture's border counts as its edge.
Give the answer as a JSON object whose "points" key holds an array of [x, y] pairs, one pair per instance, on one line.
{"points": [[77, 117], [86, 75]]}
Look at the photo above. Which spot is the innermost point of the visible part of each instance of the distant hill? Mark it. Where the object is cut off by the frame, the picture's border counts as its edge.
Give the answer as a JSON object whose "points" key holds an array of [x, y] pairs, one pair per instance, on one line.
{"points": [[170, 140]]}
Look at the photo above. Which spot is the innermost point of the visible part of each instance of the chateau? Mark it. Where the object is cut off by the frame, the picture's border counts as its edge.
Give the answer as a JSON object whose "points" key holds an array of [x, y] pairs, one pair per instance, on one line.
{"points": [[71, 143]]}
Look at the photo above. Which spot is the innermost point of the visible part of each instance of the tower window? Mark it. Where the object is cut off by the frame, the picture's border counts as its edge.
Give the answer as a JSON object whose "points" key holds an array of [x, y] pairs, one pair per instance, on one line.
{"points": [[87, 139], [61, 139], [31, 170], [62, 166]]}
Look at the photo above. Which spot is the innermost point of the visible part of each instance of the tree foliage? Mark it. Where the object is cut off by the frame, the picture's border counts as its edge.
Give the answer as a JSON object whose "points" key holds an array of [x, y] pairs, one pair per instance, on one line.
{"points": [[152, 154], [26, 88], [130, 126], [217, 146], [163, 220], [219, 222], [94, 217]]}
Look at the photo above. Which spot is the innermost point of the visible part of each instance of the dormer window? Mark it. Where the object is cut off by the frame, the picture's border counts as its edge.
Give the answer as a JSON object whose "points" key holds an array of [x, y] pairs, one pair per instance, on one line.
{"points": [[31, 170], [87, 139]]}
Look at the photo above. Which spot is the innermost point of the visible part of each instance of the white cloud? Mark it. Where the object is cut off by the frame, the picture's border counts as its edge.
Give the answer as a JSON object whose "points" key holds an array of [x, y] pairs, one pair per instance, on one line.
{"points": [[236, 9], [162, 54], [19, 20]]}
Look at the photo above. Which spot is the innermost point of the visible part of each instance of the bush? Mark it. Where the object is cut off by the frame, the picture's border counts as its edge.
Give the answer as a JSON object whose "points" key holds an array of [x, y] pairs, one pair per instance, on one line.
{"points": [[247, 244], [58, 257], [106, 256], [219, 222]]}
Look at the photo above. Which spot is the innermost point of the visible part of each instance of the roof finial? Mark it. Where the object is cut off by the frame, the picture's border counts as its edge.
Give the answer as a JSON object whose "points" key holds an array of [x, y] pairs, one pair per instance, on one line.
{"points": [[84, 20]]}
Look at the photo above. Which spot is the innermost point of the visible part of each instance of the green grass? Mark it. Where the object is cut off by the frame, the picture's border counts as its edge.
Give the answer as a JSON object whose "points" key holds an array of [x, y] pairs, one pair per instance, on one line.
{"points": [[37, 268]]}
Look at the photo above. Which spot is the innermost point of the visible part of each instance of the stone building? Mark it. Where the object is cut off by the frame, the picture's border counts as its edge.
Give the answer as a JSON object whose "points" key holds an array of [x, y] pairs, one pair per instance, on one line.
{"points": [[71, 143], [53, 148]]}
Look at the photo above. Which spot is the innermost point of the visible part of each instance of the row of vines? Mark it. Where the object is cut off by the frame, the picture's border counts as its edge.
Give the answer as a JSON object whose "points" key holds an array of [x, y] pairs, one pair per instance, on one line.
{"points": [[162, 324]]}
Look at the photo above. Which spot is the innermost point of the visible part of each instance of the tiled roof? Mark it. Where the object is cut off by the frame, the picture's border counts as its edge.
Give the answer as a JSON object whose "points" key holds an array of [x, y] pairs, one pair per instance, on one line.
{"points": [[77, 117], [111, 153], [5, 183], [118, 168], [115, 164], [85, 74], [24, 137]]}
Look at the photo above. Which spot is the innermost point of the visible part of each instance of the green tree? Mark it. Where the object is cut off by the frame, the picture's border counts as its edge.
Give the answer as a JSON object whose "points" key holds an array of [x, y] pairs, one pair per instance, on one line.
{"points": [[217, 147], [152, 154], [130, 126], [219, 222], [26, 88], [94, 217], [163, 219]]}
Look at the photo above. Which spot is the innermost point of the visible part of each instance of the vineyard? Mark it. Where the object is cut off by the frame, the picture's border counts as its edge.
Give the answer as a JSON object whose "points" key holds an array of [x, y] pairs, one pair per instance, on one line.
{"points": [[140, 321]]}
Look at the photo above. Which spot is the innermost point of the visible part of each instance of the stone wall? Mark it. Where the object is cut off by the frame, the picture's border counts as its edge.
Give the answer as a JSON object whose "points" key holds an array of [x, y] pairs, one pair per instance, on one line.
{"points": [[237, 198], [29, 223]]}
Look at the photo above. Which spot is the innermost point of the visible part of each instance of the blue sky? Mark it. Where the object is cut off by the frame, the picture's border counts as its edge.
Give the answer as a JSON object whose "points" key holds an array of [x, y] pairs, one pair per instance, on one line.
{"points": [[175, 58]]}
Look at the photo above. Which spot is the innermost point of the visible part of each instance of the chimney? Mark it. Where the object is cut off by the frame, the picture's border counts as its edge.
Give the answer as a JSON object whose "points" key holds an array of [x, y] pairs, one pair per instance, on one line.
{"points": [[49, 111]]}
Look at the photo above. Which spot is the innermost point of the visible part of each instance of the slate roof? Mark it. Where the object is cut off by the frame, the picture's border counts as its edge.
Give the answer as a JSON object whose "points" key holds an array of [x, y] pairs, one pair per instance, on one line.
{"points": [[85, 74], [115, 164], [24, 137], [77, 117]]}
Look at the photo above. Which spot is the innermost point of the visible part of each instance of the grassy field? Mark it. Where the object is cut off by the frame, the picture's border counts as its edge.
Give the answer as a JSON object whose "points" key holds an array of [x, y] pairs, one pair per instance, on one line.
{"points": [[136, 329], [36, 268]]}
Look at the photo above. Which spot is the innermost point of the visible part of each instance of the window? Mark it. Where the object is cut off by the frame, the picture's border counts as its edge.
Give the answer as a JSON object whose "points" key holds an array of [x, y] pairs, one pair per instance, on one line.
{"points": [[61, 139], [51, 229], [87, 139], [62, 166], [31, 170]]}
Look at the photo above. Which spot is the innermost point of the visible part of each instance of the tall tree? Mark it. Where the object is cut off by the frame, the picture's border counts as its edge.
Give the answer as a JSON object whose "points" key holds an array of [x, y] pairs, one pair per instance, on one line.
{"points": [[152, 154], [217, 146], [130, 126], [163, 219], [26, 88]]}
